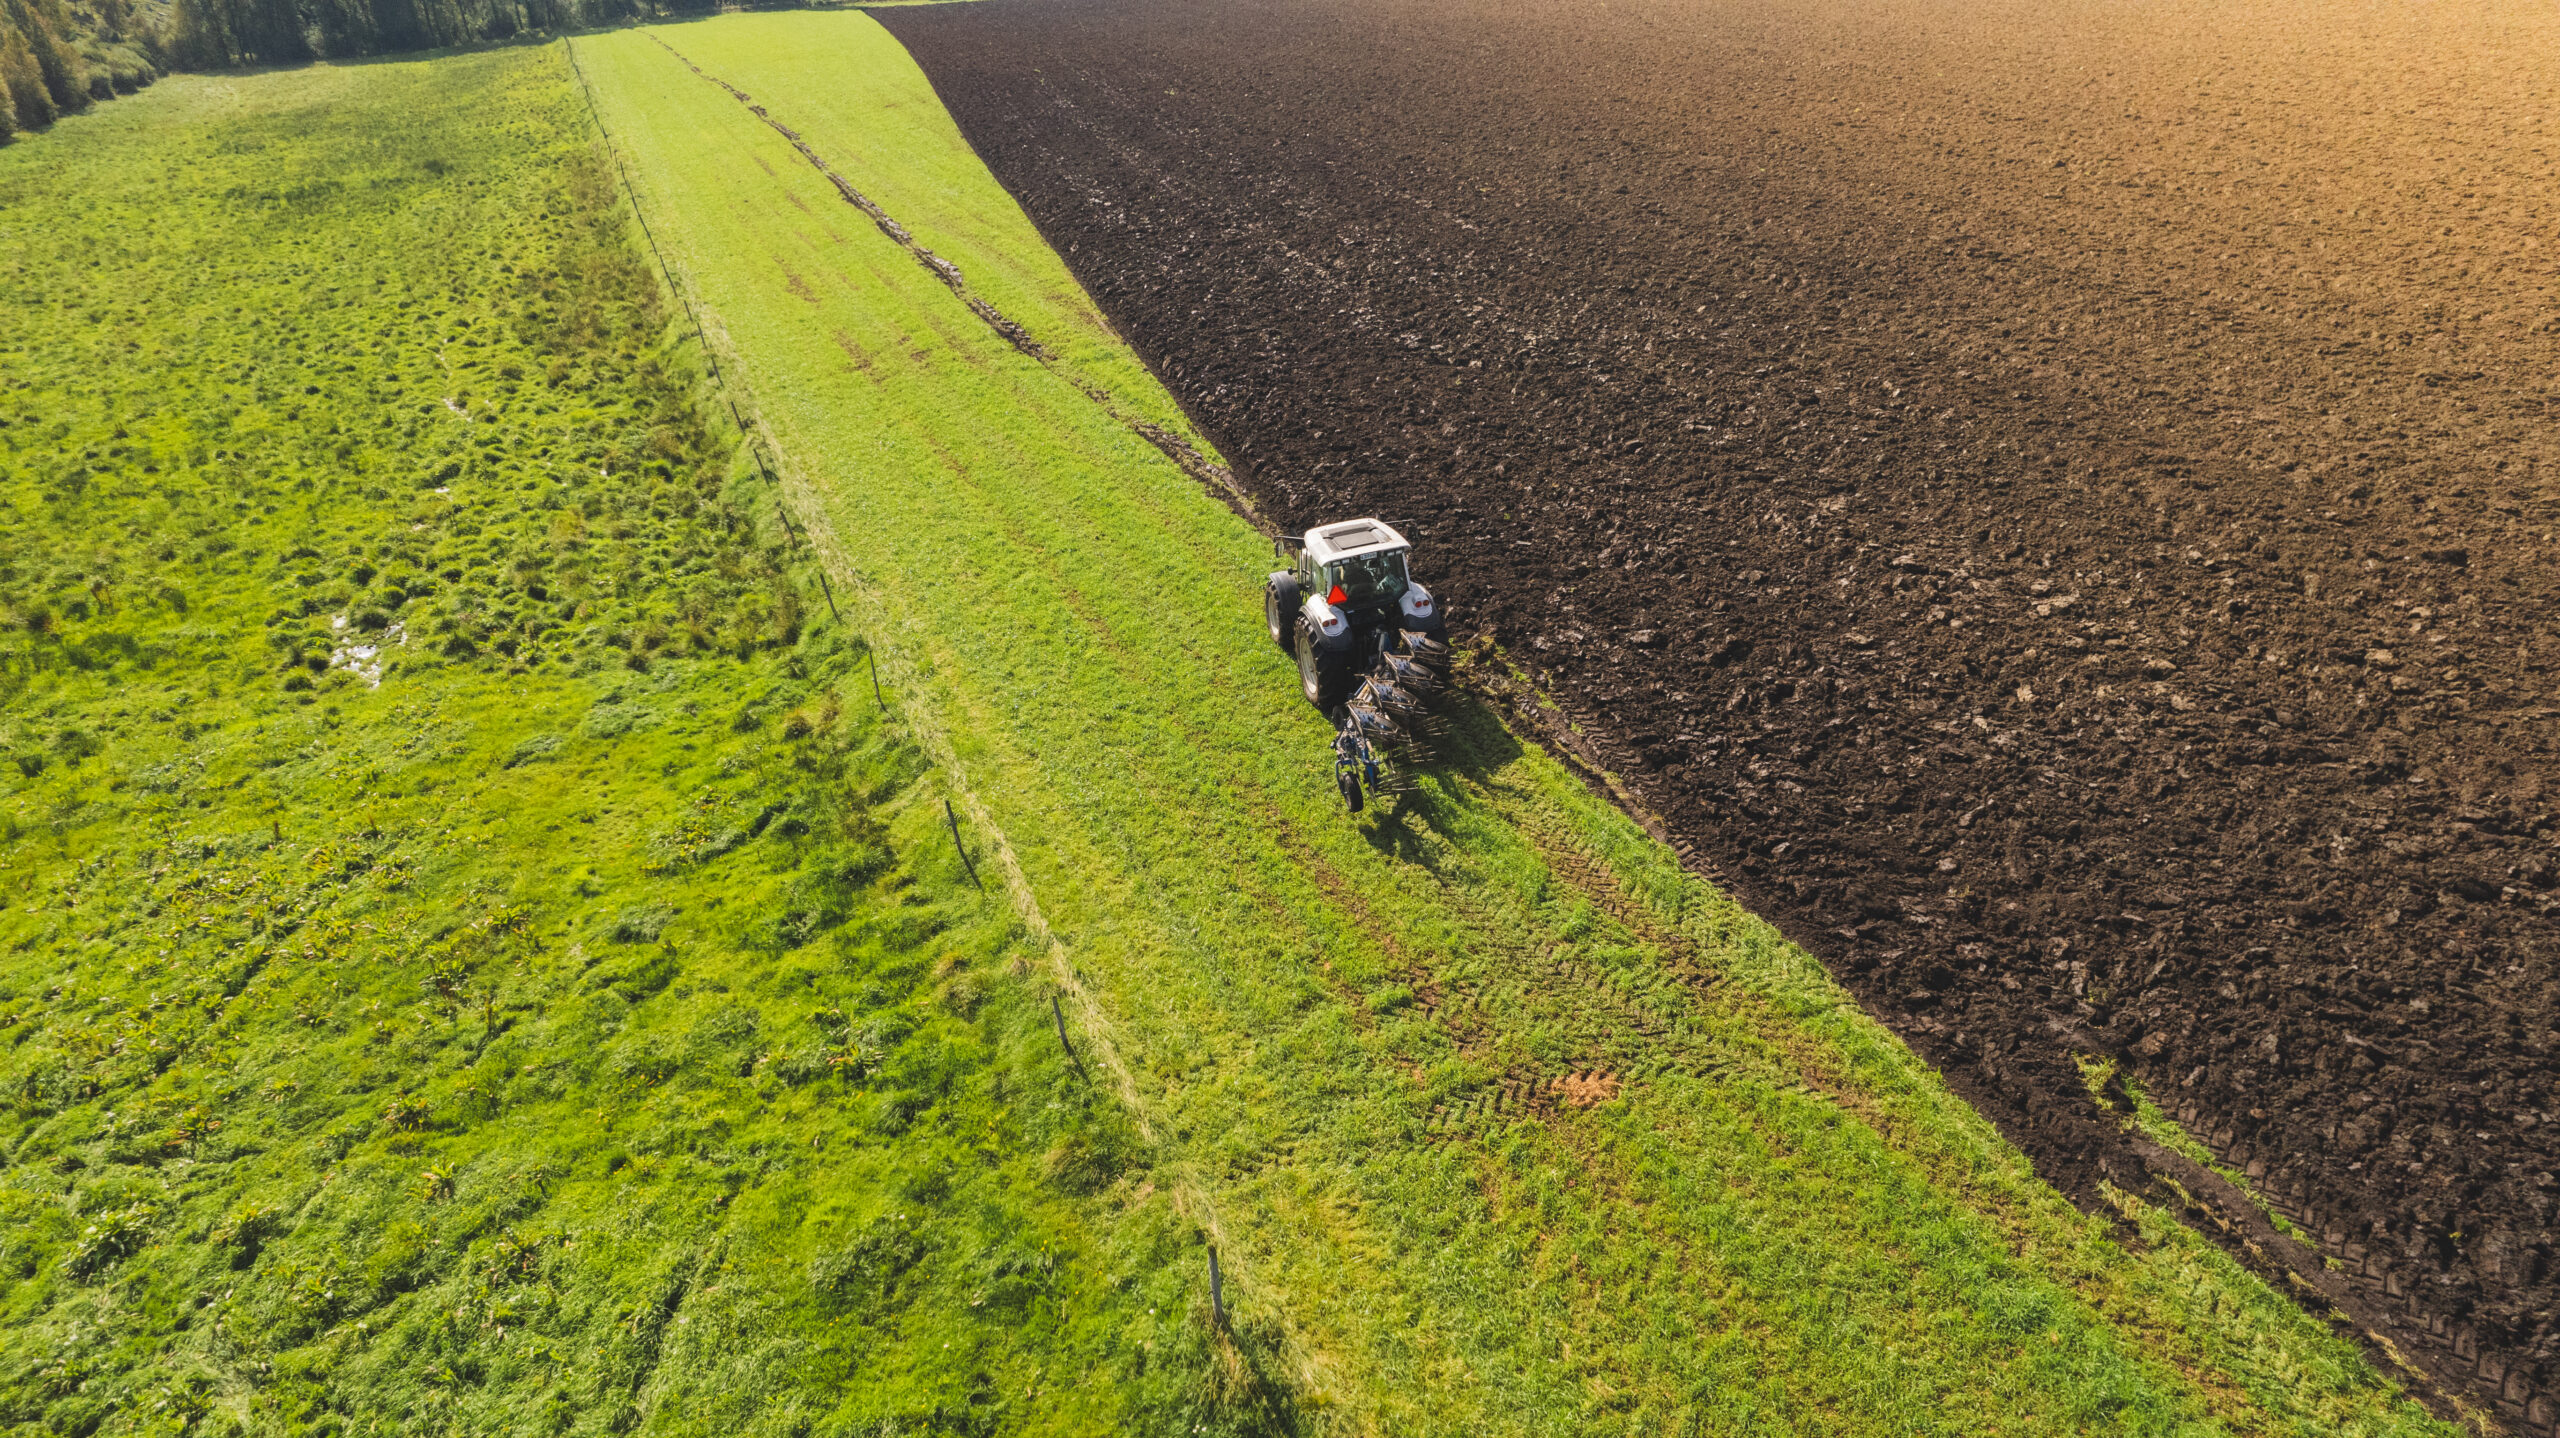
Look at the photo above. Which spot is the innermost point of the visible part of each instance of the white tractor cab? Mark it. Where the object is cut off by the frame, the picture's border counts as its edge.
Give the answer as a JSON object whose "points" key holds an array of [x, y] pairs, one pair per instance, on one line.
{"points": [[1345, 601]]}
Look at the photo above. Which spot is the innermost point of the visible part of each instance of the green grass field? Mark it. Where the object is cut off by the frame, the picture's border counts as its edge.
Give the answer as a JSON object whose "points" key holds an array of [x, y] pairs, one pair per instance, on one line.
{"points": [[591, 1027], [591, 1020]]}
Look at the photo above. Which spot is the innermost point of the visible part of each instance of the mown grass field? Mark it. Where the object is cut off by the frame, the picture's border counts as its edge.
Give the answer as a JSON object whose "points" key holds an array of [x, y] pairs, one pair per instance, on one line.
{"points": [[590, 1025], [1501, 1122]]}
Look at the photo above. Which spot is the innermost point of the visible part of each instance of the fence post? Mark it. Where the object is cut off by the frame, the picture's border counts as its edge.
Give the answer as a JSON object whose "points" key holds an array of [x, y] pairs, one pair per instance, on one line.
{"points": [[954, 821], [1060, 1015], [1217, 1293]]}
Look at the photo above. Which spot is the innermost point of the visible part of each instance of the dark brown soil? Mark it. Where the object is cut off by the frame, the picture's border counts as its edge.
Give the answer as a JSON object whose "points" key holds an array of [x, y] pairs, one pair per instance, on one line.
{"points": [[2055, 501]]}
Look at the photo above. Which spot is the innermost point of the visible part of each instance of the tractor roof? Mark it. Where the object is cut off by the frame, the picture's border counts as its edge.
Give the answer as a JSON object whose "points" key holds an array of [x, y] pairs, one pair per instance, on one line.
{"points": [[1359, 536]]}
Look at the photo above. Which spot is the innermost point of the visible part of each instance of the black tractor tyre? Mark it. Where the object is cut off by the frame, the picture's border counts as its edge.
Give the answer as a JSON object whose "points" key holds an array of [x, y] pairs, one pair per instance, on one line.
{"points": [[1280, 607], [1324, 676], [1349, 783]]}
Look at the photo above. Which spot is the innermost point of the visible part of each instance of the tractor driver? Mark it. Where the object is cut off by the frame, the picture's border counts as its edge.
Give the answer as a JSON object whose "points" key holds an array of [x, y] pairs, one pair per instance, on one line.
{"points": [[1366, 578]]}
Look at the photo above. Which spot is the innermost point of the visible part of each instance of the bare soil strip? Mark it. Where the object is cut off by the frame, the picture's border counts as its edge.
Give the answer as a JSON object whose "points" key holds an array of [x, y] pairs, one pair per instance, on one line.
{"points": [[2057, 503]]}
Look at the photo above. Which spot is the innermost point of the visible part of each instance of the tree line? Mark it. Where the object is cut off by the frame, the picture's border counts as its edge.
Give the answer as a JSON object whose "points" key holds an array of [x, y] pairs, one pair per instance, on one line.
{"points": [[211, 34], [58, 57]]}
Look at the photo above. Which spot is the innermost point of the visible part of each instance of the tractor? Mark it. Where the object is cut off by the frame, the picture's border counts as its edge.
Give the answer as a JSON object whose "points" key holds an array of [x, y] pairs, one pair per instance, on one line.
{"points": [[1368, 640]]}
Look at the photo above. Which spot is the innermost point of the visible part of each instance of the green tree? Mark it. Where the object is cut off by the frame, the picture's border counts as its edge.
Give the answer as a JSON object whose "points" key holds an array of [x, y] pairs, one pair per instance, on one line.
{"points": [[272, 31], [30, 104], [346, 27], [403, 25], [57, 65], [199, 36]]}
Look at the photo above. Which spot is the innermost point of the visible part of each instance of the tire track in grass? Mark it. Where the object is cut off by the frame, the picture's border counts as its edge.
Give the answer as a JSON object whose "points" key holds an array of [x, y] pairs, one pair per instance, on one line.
{"points": [[1182, 452], [1765, 1106], [1818, 1068], [1785, 1074], [1636, 1033]]}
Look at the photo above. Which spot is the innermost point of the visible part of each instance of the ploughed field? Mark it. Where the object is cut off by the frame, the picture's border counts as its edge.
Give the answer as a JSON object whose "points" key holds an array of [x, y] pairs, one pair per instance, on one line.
{"points": [[2056, 503]]}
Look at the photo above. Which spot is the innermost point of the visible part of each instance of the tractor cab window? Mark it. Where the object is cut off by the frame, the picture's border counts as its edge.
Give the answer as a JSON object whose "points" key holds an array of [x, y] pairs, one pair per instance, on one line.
{"points": [[1367, 578]]}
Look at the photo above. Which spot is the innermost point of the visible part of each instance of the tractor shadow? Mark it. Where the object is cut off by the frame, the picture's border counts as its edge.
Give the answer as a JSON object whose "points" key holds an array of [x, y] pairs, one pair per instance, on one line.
{"points": [[1472, 746], [1477, 745]]}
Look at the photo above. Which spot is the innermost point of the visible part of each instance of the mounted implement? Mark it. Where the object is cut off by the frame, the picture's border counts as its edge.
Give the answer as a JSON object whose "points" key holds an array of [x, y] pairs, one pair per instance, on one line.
{"points": [[1368, 640]]}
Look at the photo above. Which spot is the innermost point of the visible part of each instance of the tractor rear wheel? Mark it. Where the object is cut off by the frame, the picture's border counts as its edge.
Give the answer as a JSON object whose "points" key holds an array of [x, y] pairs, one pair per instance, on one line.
{"points": [[1326, 677]]}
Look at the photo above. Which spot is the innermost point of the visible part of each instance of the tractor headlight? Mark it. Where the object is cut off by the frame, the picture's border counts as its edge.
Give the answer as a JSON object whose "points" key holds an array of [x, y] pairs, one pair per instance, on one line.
{"points": [[1329, 620], [1417, 601]]}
